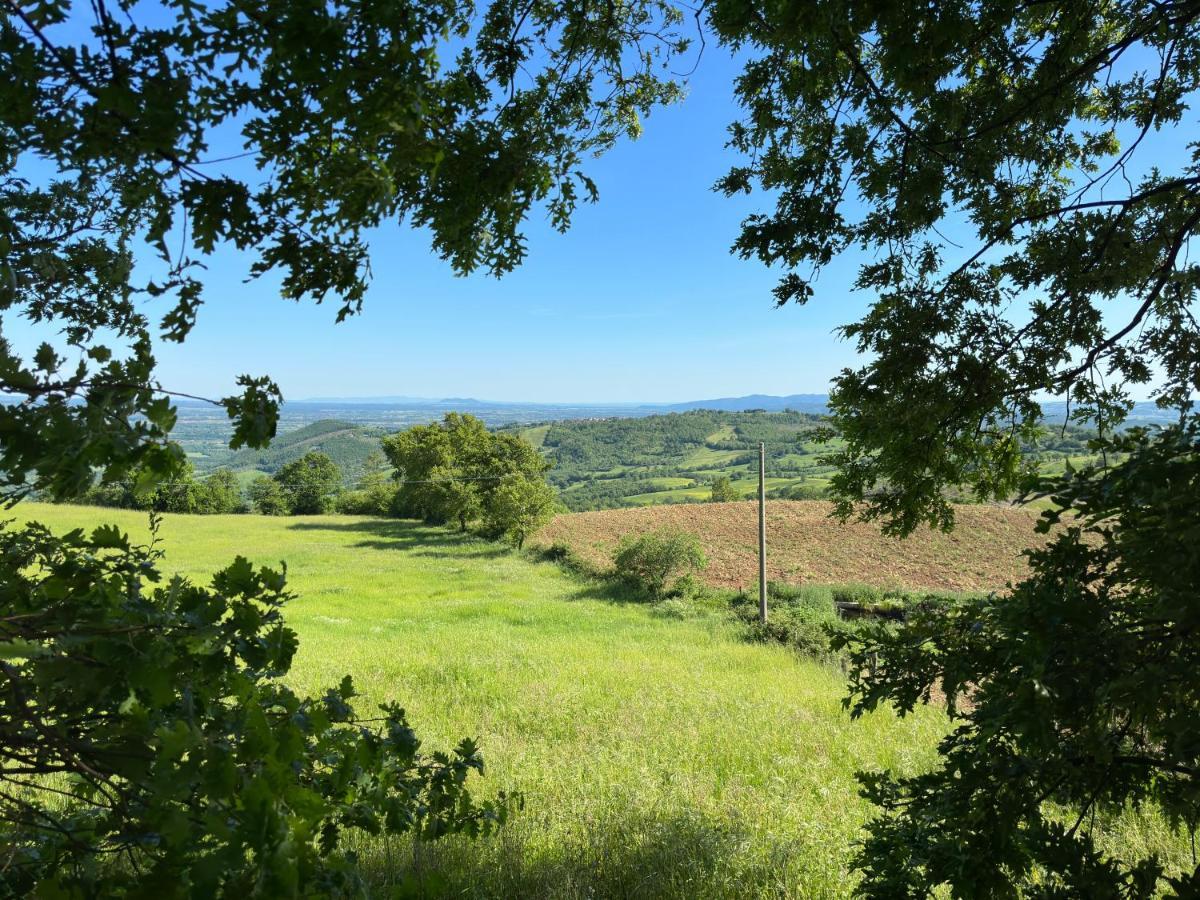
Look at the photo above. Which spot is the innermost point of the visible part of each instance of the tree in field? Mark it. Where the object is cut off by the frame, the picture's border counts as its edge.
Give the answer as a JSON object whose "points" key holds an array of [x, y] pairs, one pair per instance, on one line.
{"points": [[722, 490], [1027, 179], [451, 471], [454, 499], [309, 483], [147, 744], [221, 492], [267, 497], [518, 507]]}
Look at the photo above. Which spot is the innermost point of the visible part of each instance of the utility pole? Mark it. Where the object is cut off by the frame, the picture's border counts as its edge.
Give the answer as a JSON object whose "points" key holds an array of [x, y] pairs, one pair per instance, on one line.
{"points": [[762, 532]]}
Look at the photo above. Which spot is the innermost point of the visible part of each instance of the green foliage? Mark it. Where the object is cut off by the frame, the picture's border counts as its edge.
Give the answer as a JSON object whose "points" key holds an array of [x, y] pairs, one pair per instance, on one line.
{"points": [[1022, 129], [655, 561], [722, 490], [458, 118], [182, 765], [461, 119], [890, 125], [803, 619], [799, 491], [806, 617], [458, 471], [374, 494], [182, 492], [518, 507], [267, 497], [1077, 689], [348, 445], [614, 462], [309, 483]]}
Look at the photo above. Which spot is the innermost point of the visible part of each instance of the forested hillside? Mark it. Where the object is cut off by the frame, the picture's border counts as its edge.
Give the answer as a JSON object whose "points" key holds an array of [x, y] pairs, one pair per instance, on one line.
{"points": [[348, 445], [609, 463], [675, 458]]}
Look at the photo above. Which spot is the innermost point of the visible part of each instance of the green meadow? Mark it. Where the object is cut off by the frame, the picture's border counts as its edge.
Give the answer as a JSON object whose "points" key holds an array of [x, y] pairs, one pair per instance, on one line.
{"points": [[659, 753]]}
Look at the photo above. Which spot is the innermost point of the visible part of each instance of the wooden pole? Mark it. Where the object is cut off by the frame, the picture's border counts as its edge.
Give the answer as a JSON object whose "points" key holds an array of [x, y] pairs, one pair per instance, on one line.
{"points": [[762, 532]]}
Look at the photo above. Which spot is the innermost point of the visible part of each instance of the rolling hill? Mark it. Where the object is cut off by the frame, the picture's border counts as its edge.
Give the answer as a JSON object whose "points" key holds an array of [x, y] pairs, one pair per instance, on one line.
{"points": [[346, 444], [615, 462]]}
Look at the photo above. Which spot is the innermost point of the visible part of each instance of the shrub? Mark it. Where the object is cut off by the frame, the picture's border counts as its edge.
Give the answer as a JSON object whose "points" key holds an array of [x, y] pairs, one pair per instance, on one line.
{"points": [[182, 493], [268, 497], [862, 594], [801, 616], [150, 745], [376, 501], [654, 561]]}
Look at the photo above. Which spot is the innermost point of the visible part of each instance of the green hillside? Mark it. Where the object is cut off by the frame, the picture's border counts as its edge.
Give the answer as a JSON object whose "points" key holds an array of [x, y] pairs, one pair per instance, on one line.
{"points": [[348, 445], [622, 462], [673, 458]]}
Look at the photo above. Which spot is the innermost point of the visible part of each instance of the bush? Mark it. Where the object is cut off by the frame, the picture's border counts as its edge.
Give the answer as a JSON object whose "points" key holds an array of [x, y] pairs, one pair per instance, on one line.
{"points": [[801, 617], [174, 758], [367, 502], [268, 497], [653, 562], [805, 617], [217, 494], [862, 594]]}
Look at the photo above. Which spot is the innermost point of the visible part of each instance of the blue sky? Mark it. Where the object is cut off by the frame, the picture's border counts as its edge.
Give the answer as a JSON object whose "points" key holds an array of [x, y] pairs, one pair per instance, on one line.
{"points": [[640, 300]]}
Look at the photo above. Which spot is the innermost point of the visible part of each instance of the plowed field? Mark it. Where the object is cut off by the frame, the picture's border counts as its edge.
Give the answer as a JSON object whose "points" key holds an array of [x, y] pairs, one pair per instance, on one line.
{"points": [[805, 545]]}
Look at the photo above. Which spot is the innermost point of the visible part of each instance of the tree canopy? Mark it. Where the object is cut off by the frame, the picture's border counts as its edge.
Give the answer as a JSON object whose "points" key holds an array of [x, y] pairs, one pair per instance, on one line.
{"points": [[1025, 179], [459, 120], [458, 471], [309, 483], [192, 770]]}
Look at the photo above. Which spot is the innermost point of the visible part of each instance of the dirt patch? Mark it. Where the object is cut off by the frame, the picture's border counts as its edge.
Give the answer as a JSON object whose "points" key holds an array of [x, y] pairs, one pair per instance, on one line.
{"points": [[805, 545]]}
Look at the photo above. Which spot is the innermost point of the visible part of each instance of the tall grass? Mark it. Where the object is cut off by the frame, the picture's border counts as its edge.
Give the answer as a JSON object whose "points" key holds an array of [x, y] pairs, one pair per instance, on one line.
{"points": [[659, 756]]}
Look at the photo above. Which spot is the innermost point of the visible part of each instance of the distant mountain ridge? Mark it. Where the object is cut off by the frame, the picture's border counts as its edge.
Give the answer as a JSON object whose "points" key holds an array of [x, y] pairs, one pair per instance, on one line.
{"points": [[799, 402], [809, 403]]}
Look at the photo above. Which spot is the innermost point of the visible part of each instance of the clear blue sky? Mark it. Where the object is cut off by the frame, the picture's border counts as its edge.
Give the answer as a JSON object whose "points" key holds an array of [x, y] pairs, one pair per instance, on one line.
{"points": [[640, 300]]}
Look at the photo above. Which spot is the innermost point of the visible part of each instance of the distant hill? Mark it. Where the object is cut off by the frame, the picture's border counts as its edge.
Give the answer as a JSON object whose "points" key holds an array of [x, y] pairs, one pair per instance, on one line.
{"points": [[807, 403], [814, 403], [615, 461], [345, 443]]}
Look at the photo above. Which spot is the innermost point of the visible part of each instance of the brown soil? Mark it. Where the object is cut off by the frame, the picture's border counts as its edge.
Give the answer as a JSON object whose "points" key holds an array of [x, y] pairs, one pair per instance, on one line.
{"points": [[805, 545]]}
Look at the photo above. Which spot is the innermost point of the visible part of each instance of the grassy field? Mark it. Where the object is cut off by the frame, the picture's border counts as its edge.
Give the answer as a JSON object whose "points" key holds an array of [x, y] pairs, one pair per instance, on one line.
{"points": [[659, 756], [805, 546]]}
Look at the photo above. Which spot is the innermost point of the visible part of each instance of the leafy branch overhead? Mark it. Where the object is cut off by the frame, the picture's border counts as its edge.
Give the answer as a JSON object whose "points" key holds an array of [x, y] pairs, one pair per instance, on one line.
{"points": [[1027, 181], [457, 120], [189, 759], [189, 769], [1022, 181]]}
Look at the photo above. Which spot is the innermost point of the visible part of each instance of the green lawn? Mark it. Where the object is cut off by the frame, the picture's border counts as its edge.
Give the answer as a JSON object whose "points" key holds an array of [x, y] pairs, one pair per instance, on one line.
{"points": [[659, 756]]}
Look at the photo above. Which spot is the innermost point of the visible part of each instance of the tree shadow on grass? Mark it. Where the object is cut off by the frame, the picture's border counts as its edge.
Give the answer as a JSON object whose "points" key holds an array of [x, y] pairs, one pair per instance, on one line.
{"points": [[410, 536], [418, 538], [679, 853]]}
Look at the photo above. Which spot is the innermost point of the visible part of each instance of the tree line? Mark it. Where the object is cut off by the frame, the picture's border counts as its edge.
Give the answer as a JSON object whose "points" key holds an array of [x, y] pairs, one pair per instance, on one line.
{"points": [[453, 472]]}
